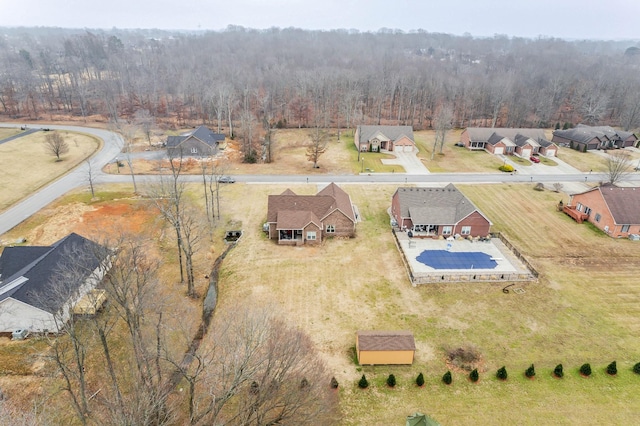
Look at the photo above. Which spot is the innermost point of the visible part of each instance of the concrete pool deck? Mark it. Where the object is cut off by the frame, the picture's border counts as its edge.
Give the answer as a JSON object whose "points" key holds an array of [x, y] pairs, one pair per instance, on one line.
{"points": [[508, 268]]}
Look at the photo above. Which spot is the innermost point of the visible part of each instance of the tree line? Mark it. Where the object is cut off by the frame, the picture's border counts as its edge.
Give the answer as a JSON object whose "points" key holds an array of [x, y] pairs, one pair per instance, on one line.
{"points": [[241, 80]]}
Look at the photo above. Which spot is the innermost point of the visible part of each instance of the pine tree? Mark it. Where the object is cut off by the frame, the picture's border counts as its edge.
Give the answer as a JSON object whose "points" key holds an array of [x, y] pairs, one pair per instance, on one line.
{"points": [[334, 383], [636, 368], [474, 376], [363, 383], [612, 369], [420, 380], [502, 373], [530, 372], [391, 381], [558, 371], [447, 379], [585, 369]]}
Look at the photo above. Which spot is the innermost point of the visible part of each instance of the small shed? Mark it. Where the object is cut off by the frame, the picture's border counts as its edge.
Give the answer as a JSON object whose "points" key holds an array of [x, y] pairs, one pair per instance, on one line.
{"points": [[385, 347]]}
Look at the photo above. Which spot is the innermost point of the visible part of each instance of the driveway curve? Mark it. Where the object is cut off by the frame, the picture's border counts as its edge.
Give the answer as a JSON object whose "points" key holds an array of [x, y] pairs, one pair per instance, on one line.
{"points": [[113, 144]]}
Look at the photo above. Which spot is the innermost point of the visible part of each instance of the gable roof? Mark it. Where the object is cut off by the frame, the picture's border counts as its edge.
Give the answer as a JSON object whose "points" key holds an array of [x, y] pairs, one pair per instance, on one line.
{"points": [[374, 340], [482, 134], [623, 203], [435, 206], [202, 134], [32, 270], [495, 138], [331, 198], [288, 219], [366, 133], [583, 134]]}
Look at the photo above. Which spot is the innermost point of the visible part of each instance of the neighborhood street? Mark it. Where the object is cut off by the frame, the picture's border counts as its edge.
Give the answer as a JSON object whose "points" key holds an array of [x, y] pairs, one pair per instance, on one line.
{"points": [[113, 143]]}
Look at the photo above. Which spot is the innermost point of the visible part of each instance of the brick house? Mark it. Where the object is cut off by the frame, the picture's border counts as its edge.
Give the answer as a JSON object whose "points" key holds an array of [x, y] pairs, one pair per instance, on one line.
{"points": [[384, 138], [438, 212], [506, 141], [583, 137], [201, 142], [306, 219], [614, 210]]}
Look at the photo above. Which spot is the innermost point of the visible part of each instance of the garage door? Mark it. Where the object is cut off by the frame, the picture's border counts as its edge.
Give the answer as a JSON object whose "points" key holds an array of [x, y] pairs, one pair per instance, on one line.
{"points": [[408, 148], [498, 150], [526, 153]]}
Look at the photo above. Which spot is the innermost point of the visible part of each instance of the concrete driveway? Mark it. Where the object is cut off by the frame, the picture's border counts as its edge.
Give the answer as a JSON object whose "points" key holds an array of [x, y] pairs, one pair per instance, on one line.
{"points": [[409, 160]]}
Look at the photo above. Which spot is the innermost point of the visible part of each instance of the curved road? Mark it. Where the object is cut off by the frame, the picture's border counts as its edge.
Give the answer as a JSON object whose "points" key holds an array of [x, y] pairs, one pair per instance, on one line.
{"points": [[113, 144]]}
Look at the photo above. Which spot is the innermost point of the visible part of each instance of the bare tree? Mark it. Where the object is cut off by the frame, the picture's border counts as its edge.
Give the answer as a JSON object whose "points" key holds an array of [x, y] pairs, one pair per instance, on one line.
{"points": [[146, 122], [128, 131], [258, 370], [91, 177], [318, 145], [618, 166], [56, 145], [442, 123]]}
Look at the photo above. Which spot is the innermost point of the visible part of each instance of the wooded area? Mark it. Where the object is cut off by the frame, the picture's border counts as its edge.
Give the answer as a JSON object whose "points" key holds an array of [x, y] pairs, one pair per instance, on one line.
{"points": [[290, 77]]}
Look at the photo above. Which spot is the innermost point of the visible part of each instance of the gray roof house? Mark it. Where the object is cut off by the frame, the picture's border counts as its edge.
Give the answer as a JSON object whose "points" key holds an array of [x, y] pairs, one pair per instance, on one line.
{"points": [[384, 138], [200, 142], [438, 212], [33, 295], [499, 141], [583, 137]]}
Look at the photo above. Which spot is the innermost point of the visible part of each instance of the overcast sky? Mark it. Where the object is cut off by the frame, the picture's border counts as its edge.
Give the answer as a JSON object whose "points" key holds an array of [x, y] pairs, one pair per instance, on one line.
{"points": [[572, 19]]}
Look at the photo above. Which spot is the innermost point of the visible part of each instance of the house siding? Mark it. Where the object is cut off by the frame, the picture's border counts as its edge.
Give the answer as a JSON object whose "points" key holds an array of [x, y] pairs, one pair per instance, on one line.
{"points": [[312, 227], [186, 147], [15, 315]]}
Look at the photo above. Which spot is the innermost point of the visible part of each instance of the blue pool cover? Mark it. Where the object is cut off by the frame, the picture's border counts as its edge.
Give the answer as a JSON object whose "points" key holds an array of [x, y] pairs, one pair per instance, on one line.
{"points": [[443, 259]]}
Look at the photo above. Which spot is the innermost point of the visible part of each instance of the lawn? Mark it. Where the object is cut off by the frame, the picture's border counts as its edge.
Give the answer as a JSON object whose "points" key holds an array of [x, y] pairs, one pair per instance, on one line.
{"points": [[579, 312], [453, 158], [27, 165]]}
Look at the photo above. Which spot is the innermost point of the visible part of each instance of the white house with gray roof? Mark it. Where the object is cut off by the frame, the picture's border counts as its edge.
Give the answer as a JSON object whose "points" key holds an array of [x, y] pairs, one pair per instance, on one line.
{"points": [[438, 212], [384, 138]]}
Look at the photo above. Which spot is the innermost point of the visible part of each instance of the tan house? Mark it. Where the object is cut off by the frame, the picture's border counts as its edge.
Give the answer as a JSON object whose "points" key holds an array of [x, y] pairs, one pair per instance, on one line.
{"points": [[384, 138], [385, 347], [615, 210], [438, 212], [306, 219]]}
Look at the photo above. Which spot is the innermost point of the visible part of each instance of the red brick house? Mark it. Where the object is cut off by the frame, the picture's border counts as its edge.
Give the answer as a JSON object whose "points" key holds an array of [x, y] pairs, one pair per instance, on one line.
{"points": [[384, 138], [615, 210], [583, 137], [438, 212], [306, 219], [506, 141]]}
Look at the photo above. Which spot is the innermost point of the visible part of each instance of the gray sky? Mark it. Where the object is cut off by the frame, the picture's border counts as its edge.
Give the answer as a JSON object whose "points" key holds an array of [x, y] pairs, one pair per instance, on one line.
{"points": [[573, 19]]}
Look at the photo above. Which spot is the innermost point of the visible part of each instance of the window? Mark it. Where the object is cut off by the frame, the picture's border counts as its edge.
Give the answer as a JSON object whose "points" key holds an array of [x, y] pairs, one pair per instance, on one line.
{"points": [[446, 230], [311, 235], [466, 230], [579, 207], [587, 210], [194, 150], [625, 228], [598, 217], [331, 229]]}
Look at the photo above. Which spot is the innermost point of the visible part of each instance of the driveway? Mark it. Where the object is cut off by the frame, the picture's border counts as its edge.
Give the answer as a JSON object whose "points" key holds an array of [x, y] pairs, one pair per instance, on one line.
{"points": [[409, 160]]}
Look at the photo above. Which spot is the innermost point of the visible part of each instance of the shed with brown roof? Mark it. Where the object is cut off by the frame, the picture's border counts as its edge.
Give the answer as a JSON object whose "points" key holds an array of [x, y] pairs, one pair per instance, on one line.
{"points": [[385, 347]]}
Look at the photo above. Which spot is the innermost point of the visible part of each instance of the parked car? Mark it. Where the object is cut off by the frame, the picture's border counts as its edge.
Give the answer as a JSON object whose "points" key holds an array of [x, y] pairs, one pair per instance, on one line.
{"points": [[226, 179], [534, 159]]}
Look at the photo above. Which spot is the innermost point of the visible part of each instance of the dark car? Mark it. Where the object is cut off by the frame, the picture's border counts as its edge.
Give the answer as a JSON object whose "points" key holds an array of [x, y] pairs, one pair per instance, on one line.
{"points": [[534, 159], [226, 179]]}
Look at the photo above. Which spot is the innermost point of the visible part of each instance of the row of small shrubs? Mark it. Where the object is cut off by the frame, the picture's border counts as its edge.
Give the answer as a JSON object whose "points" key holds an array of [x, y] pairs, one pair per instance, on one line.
{"points": [[501, 374]]}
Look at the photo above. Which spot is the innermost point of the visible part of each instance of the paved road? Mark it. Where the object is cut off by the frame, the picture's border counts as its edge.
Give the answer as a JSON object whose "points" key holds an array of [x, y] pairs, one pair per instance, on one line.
{"points": [[113, 144], [19, 135]]}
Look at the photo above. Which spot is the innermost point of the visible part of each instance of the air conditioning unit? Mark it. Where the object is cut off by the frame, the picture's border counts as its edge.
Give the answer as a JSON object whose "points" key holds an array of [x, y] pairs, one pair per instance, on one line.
{"points": [[634, 237], [20, 334]]}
